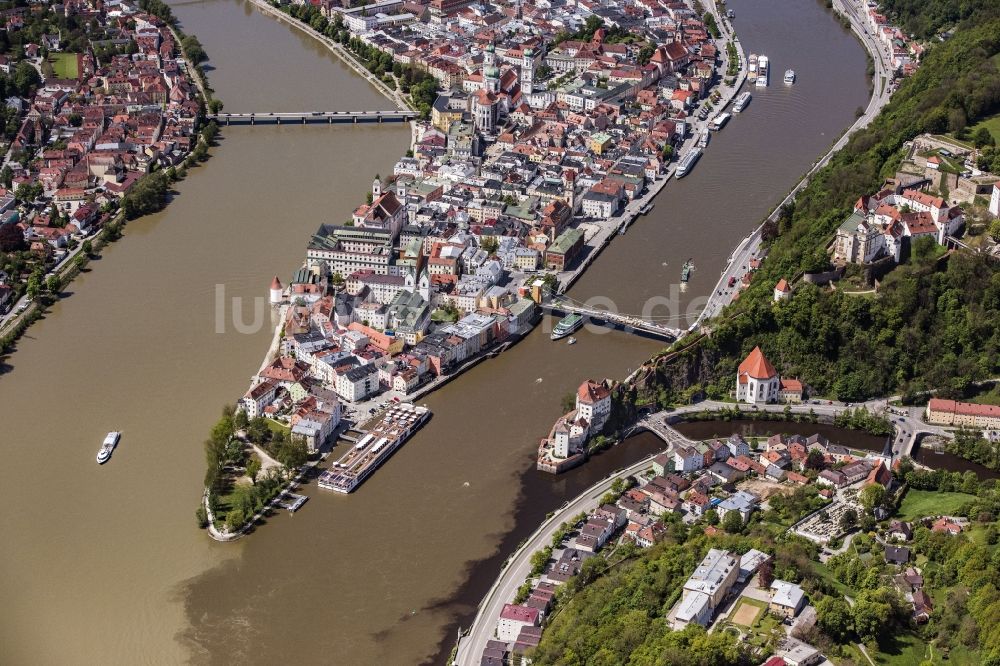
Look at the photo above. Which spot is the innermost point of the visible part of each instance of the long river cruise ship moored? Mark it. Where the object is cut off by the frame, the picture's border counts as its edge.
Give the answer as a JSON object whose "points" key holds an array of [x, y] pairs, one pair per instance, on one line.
{"points": [[381, 437]]}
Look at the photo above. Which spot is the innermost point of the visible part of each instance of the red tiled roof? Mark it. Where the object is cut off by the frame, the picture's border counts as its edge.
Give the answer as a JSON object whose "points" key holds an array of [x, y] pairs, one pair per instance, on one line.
{"points": [[590, 392], [519, 613], [963, 408], [756, 366]]}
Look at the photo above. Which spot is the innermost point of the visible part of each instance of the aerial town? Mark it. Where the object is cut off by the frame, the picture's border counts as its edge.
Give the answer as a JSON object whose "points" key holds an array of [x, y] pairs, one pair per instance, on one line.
{"points": [[550, 137], [721, 486], [88, 114], [791, 458]]}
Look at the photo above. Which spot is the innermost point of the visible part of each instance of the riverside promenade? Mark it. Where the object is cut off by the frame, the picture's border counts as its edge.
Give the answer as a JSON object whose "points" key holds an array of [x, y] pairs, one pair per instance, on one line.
{"points": [[606, 230]]}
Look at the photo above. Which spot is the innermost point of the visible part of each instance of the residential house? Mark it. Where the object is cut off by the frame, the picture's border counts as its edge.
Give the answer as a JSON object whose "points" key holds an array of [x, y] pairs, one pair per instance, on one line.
{"points": [[742, 502], [787, 599], [897, 555], [513, 618]]}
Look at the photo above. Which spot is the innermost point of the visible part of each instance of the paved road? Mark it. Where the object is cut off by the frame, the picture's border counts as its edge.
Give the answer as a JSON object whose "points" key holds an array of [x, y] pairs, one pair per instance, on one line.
{"points": [[907, 421], [14, 315], [471, 647]]}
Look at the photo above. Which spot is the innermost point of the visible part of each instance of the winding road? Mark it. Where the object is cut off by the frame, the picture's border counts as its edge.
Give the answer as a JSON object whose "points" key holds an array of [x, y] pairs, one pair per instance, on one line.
{"points": [[470, 647]]}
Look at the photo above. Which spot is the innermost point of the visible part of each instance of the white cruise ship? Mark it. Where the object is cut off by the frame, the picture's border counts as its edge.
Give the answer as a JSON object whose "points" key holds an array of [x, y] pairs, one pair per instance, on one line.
{"points": [[386, 433], [762, 71], [741, 102], [108, 447], [687, 162]]}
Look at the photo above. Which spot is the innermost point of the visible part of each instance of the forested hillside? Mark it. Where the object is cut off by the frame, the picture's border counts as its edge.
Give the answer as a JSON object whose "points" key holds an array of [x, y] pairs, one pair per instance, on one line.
{"points": [[933, 322]]}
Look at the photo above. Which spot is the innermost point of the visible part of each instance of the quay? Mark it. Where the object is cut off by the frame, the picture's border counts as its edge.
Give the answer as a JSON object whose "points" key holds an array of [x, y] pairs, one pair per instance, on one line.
{"points": [[313, 117]]}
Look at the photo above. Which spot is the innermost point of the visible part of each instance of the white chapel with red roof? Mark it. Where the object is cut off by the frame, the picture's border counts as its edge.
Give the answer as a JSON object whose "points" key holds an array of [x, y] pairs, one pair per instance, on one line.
{"points": [[756, 380]]}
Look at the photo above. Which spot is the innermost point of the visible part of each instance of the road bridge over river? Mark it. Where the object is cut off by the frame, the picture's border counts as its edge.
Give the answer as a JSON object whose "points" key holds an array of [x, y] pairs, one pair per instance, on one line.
{"points": [[313, 117]]}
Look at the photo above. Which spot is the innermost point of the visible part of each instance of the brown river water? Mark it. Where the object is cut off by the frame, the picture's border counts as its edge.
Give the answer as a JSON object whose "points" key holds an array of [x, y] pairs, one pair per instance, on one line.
{"points": [[104, 565]]}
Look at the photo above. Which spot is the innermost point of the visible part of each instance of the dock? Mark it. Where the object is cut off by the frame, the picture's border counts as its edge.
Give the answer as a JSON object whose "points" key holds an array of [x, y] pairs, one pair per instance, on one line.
{"points": [[291, 501]]}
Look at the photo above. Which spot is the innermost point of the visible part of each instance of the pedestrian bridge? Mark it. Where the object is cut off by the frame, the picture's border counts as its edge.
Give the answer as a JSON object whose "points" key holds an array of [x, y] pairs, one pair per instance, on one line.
{"points": [[313, 117], [624, 322]]}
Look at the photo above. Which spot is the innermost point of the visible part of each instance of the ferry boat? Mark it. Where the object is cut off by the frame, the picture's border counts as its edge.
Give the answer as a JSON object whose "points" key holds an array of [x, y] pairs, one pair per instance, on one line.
{"points": [[108, 447], [390, 430], [752, 67], [762, 71], [686, 271], [568, 324], [703, 141], [719, 121], [789, 76], [741, 102], [687, 162]]}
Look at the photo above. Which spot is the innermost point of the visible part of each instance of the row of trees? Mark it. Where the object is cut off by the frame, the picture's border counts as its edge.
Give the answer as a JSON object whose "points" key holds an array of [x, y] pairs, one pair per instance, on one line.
{"points": [[971, 445], [860, 418], [150, 193], [419, 85]]}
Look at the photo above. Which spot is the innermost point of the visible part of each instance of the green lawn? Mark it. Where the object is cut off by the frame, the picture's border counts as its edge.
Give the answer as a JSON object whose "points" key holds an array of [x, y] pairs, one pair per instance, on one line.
{"points": [[760, 628], [992, 124], [920, 503], [277, 427], [909, 650], [823, 571], [64, 65], [902, 650]]}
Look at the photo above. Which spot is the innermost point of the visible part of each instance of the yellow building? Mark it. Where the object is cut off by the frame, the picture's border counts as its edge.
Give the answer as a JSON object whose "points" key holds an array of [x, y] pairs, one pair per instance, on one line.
{"points": [[600, 142]]}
